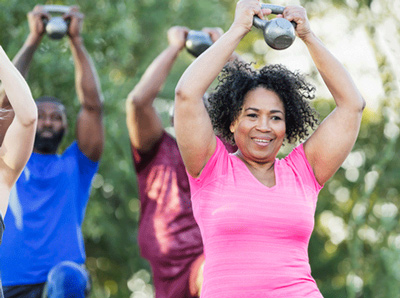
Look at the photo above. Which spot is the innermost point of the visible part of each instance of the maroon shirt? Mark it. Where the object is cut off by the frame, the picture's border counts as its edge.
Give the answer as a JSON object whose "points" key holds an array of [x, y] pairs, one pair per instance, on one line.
{"points": [[169, 237]]}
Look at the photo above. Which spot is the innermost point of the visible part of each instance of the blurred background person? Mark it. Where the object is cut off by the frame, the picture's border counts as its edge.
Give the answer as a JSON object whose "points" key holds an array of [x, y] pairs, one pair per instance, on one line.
{"points": [[47, 206], [17, 144], [168, 237], [256, 212]]}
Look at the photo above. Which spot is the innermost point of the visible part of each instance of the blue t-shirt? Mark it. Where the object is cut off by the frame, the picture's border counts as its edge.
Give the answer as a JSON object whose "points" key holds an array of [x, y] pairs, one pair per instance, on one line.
{"points": [[1, 235], [45, 215]]}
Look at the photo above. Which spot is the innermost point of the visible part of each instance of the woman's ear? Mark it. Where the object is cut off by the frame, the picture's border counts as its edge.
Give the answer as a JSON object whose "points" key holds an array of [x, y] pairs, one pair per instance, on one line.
{"points": [[232, 128]]}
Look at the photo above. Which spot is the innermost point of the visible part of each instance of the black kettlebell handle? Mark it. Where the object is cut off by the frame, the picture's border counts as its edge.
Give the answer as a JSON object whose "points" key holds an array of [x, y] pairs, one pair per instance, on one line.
{"points": [[56, 8], [278, 33], [276, 9]]}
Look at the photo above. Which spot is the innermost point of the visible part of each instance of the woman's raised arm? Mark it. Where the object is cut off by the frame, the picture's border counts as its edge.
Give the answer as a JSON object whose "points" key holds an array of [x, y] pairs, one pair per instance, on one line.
{"points": [[18, 141], [333, 140], [193, 127]]}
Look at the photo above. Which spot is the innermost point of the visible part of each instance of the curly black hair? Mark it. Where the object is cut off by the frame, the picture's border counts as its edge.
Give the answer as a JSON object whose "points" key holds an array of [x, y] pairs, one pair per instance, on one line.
{"points": [[238, 78]]}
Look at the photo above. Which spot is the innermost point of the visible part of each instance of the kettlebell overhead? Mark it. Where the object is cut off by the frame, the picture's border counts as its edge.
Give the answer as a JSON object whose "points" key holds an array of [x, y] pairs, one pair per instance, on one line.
{"points": [[197, 42], [57, 26], [279, 33]]}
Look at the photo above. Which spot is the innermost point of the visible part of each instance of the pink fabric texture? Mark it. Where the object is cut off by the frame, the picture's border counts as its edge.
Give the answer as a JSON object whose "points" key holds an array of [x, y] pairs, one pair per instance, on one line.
{"points": [[255, 237]]}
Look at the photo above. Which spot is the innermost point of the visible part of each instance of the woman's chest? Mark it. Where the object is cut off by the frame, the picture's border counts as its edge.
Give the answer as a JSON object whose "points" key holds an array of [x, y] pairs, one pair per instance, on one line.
{"points": [[245, 207]]}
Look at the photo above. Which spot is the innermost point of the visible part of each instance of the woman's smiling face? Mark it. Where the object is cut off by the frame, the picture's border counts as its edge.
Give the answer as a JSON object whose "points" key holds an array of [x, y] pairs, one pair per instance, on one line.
{"points": [[260, 128]]}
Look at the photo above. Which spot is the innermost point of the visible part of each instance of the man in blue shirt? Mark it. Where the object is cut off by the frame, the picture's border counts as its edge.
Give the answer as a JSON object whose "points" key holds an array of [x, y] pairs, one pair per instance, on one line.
{"points": [[47, 205]]}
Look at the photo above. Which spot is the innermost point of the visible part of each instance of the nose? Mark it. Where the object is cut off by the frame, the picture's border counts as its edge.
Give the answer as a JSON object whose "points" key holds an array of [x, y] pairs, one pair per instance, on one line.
{"points": [[263, 124], [46, 121]]}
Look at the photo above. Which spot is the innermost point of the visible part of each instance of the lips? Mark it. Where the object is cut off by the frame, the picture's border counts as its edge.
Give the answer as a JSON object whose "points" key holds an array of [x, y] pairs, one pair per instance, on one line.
{"points": [[262, 141], [46, 134]]}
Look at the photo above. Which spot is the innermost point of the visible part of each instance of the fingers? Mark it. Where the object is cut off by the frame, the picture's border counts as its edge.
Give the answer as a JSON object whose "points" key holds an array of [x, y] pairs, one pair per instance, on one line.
{"points": [[74, 13], [38, 12], [266, 11], [245, 12], [295, 13], [177, 36], [36, 19], [215, 33], [298, 15]]}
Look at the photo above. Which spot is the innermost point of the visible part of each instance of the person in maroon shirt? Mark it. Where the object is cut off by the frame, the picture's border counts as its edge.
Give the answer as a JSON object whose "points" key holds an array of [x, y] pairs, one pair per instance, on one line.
{"points": [[168, 236]]}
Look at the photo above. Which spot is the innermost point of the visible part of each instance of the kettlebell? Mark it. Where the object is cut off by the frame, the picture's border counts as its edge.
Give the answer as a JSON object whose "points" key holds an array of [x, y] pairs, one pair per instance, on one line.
{"points": [[278, 33], [197, 42], [56, 27]]}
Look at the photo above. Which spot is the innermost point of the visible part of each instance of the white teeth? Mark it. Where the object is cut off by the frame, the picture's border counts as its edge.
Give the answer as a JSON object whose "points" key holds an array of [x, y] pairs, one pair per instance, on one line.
{"points": [[262, 141]]}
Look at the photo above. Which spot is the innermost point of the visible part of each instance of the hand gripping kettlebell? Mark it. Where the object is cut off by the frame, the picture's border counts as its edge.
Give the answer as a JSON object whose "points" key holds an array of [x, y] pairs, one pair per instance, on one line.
{"points": [[279, 33], [56, 27], [197, 42]]}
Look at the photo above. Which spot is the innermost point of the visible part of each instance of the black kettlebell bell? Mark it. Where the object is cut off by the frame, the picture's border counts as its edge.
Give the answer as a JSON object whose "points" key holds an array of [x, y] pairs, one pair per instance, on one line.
{"points": [[56, 27], [278, 33], [197, 42]]}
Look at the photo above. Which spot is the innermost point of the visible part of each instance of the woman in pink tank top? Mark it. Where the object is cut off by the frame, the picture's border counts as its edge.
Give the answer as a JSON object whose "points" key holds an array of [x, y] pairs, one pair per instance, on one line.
{"points": [[256, 212]]}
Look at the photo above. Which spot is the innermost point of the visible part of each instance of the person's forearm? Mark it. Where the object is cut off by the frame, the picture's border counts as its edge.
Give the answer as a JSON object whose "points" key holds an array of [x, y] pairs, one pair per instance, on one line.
{"points": [[22, 62], [335, 76], [154, 77], [86, 81], [202, 72], [18, 91], [24, 57]]}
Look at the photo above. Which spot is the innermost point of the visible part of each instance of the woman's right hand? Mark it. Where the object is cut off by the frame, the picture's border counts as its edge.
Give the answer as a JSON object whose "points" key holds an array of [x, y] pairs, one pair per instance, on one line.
{"points": [[177, 36], [245, 11]]}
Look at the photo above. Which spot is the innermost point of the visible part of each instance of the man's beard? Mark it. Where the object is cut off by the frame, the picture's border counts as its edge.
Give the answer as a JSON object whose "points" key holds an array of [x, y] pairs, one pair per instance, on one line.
{"points": [[48, 145]]}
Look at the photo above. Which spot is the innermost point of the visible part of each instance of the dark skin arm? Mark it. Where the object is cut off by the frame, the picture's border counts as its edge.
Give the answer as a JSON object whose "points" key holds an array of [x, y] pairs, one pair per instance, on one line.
{"points": [[89, 129], [144, 124]]}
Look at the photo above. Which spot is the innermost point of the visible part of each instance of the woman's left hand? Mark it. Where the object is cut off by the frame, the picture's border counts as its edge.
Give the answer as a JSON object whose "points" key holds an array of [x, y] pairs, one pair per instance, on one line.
{"points": [[298, 15]]}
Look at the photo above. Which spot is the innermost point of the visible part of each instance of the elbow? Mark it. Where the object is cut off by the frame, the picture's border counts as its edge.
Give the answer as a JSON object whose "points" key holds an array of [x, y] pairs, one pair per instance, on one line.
{"points": [[132, 102], [360, 104], [187, 92], [131, 99], [363, 103], [31, 118], [181, 94], [357, 106], [135, 99]]}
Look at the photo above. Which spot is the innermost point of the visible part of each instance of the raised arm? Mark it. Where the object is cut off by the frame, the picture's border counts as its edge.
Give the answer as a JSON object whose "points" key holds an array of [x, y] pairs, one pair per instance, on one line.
{"points": [[330, 144], [18, 141], [144, 125], [23, 60], [89, 128], [193, 127]]}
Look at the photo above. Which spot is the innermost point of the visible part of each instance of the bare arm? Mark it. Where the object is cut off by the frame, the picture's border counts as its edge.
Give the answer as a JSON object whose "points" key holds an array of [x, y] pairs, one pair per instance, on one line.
{"points": [[18, 141], [330, 144], [193, 127], [89, 129], [144, 125], [23, 60]]}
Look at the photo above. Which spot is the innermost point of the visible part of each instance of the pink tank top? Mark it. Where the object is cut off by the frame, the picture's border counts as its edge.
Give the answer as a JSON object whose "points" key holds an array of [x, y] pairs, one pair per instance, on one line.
{"points": [[255, 237]]}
